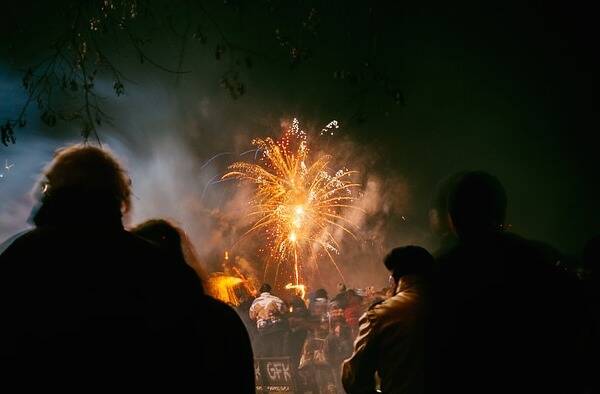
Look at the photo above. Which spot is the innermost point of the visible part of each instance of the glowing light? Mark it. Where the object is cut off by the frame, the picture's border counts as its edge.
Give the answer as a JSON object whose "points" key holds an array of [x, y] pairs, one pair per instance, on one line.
{"points": [[222, 287], [297, 201], [226, 255], [330, 127], [301, 289], [229, 288]]}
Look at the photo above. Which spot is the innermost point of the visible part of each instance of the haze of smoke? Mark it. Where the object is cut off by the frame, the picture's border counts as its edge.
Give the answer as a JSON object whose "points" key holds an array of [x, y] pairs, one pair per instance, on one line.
{"points": [[171, 177], [377, 224]]}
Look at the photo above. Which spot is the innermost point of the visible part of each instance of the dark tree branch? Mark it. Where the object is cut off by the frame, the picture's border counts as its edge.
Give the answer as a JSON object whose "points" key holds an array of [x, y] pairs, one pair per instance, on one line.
{"points": [[64, 83]]}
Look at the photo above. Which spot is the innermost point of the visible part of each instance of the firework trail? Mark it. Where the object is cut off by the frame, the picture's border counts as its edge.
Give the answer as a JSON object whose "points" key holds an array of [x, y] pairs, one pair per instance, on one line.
{"points": [[297, 202]]}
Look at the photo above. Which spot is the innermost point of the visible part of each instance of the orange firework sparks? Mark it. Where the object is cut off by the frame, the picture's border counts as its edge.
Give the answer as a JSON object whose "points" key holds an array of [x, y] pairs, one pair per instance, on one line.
{"points": [[297, 202], [229, 288], [299, 288], [223, 287]]}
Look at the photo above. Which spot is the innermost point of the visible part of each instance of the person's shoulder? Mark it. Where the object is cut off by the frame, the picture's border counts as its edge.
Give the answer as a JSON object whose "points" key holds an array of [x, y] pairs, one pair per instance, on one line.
{"points": [[375, 305], [447, 244], [220, 310], [447, 258], [139, 243], [511, 239], [379, 316], [215, 304], [10, 240], [268, 298], [277, 299], [25, 242], [542, 260], [258, 299], [534, 250], [31, 235], [149, 262], [384, 309], [142, 250]]}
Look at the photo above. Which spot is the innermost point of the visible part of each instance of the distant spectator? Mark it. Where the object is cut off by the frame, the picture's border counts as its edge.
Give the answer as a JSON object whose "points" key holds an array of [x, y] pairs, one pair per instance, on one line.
{"points": [[319, 304], [341, 296], [353, 310], [391, 342], [268, 310], [298, 329]]}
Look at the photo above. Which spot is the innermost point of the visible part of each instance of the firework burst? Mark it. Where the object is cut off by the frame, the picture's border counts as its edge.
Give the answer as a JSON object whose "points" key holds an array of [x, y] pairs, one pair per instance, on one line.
{"points": [[298, 203]]}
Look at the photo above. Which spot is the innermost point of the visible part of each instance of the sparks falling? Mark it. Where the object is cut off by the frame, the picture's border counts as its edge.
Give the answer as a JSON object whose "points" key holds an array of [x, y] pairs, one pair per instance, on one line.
{"points": [[300, 289], [230, 286], [298, 202]]}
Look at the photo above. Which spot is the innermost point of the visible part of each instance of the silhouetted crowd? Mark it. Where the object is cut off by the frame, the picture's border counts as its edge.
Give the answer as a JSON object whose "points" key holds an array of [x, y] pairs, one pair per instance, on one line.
{"points": [[86, 304]]}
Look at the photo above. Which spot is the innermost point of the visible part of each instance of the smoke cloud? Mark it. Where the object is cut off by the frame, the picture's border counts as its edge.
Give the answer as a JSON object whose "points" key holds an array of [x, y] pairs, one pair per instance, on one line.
{"points": [[176, 159]]}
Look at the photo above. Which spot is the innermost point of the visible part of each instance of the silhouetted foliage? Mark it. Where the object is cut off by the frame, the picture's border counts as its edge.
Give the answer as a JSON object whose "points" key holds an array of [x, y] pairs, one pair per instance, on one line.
{"points": [[83, 42]]}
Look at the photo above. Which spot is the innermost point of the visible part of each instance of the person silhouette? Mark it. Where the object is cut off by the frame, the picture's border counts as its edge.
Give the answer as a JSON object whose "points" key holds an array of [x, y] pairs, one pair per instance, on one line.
{"points": [[391, 341], [85, 303], [439, 217], [268, 311], [506, 318], [218, 327]]}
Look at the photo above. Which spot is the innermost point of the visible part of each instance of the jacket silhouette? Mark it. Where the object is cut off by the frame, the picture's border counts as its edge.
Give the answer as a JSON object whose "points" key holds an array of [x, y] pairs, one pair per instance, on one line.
{"points": [[506, 319], [391, 341]]}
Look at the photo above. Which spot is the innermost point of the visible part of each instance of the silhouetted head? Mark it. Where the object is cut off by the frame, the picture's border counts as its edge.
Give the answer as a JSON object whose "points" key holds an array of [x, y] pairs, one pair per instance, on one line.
{"points": [[265, 288], [351, 295], [439, 217], [321, 293], [477, 204], [297, 303], [408, 260], [82, 176], [172, 240]]}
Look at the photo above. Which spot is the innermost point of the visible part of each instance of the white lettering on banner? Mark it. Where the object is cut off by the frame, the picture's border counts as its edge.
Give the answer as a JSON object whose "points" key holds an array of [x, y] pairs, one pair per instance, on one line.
{"points": [[277, 370], [257, 374]]}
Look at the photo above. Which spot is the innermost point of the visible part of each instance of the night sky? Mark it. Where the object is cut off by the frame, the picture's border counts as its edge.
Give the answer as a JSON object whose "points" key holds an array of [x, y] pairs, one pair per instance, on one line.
{"points": [[506, 88]]}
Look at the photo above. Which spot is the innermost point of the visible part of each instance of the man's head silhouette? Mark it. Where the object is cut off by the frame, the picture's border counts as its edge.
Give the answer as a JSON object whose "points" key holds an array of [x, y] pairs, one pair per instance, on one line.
{"points": [[82, 176], [477, 204]]}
